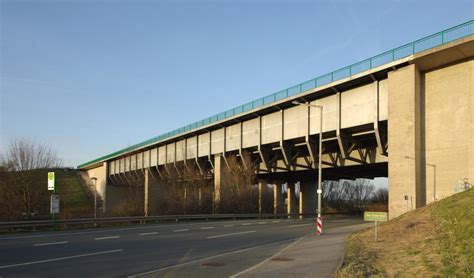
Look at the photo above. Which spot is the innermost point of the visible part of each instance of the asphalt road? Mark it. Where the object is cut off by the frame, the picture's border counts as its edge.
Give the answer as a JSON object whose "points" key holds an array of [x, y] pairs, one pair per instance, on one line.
{"points": [[198, 249]]}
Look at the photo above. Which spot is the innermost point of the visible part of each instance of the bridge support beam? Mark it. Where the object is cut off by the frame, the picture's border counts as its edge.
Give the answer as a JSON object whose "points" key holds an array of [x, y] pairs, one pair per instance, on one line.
{"points": [[277, 197], [291, 199], [308, 197], [262, 186], [146, 189], [404, 139], [218, 167]]}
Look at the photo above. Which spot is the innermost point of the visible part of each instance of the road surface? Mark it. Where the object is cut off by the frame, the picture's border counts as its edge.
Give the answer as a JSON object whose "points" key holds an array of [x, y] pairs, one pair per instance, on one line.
{"points": [[198, 249]]}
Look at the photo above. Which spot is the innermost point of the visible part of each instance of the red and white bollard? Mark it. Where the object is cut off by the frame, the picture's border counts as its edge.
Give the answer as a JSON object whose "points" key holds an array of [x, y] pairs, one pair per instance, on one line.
{"points": [[319, 225]]}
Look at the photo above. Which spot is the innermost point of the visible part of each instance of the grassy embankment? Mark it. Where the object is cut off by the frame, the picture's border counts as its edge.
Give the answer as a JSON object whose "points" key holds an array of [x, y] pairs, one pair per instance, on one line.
{"points": [[437, 240], [74, 201]]}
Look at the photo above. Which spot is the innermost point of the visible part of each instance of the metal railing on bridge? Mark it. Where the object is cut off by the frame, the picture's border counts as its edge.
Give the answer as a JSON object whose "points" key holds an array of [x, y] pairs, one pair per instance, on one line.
{"points": [[440, 38]]}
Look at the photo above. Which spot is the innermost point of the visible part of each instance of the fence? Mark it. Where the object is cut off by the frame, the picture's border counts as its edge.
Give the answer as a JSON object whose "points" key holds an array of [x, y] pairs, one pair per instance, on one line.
{"points": [[148, 219]]}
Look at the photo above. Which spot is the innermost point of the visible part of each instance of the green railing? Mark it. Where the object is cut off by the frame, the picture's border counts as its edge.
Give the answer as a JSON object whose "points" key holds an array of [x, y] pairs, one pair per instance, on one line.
{"points": [[443, 37]]}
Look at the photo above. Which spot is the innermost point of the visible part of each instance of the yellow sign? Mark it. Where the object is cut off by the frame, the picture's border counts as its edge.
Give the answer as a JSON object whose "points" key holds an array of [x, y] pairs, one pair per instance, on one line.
{"points": [[51, 180], [375, 216]]}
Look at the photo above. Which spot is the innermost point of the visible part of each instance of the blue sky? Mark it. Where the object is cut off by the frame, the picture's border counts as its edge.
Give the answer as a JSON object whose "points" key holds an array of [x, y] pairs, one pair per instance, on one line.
{"points": [[91, 77]]}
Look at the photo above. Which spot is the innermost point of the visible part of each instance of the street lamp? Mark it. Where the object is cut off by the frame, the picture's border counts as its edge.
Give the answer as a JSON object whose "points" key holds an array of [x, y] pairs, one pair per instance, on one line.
{"points": [[320, 154], [94, 179]]}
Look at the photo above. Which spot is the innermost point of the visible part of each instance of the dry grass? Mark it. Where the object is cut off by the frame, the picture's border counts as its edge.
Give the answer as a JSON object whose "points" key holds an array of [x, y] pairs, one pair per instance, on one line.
{"points": [[437, 240]]}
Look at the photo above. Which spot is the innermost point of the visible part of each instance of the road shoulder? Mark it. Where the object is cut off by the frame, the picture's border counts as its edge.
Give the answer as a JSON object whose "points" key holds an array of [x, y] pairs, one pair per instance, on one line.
{"points": [[310, 256]]}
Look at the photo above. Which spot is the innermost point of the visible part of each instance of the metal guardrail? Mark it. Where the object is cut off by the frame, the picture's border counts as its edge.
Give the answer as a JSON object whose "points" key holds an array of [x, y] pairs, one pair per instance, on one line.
{"points": [[145, 219], [440, 38]]}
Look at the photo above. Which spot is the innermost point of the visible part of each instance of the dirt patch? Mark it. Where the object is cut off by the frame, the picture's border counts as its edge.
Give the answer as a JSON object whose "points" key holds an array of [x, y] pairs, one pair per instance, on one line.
{"points": [[282, 259], [215, 264]]}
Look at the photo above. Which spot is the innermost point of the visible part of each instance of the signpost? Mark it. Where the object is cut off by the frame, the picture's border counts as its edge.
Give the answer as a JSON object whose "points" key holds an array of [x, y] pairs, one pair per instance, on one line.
{"points": [[376, 217], [54, 208]]}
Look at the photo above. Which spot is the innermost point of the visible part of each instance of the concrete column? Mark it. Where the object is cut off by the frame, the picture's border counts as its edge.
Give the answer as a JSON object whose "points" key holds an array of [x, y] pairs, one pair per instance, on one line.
{"points": [[277, 197], [291, 199], [146, 185], [199, 199], [104, 189], [185, 200], [218, 167], [308, 197], [262, 187], [404, 139]]}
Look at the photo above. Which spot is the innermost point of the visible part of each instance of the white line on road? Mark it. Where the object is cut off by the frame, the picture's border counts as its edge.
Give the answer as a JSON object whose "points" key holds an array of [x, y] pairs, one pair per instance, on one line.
{"points": [[207, 228], [212, 257], [233, 234], [300, 225], [50, 243], [276, 221], [246, 224], [181, 230], [336, 221], [99, 231], [228, 226], [147, 234], [62, 258], [107, 237], [260, 223], [105, 230]]}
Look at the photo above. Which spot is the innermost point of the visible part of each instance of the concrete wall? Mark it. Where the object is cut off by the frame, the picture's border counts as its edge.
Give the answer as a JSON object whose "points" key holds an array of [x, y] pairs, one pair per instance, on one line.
{"points": [[448, 128], [101, 174], [430, 133], [403, 144]]}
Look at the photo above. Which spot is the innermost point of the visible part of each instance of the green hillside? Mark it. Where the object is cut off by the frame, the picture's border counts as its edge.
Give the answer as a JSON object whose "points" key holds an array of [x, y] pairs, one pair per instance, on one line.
{"points": [[74, 200], [437, 240]]}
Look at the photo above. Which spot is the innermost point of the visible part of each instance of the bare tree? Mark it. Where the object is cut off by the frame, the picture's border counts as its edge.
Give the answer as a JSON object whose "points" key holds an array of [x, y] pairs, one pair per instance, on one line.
{"points": [[381, 196], [360, 193], [348, 195], [23, 187], [239, 193]]}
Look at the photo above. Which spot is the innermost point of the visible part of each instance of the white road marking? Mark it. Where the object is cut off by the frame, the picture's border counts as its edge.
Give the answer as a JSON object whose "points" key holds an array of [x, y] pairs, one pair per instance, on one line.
{"points": [[181, 230], [208, 258], [300, 225], [107, 237], [207, 228], [246, 224], [336, 221], [260, 223], [103, 231], [276, 221], [233, 234], [147, 234], [61, 259], [50, 243], [228, 226]]}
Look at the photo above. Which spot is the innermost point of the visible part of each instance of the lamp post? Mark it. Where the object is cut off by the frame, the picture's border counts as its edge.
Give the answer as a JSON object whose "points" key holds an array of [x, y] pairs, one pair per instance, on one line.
{"points": [[320, 153], [94, 179]]}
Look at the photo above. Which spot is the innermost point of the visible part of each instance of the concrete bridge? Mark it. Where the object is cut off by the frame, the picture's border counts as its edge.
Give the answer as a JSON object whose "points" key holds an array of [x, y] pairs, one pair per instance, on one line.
{"points": [[406, 114]]}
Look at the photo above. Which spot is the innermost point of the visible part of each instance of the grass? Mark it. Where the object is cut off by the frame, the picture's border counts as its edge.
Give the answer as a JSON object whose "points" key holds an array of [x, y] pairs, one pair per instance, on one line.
{"points": [[436, 240], [74, 201]]}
